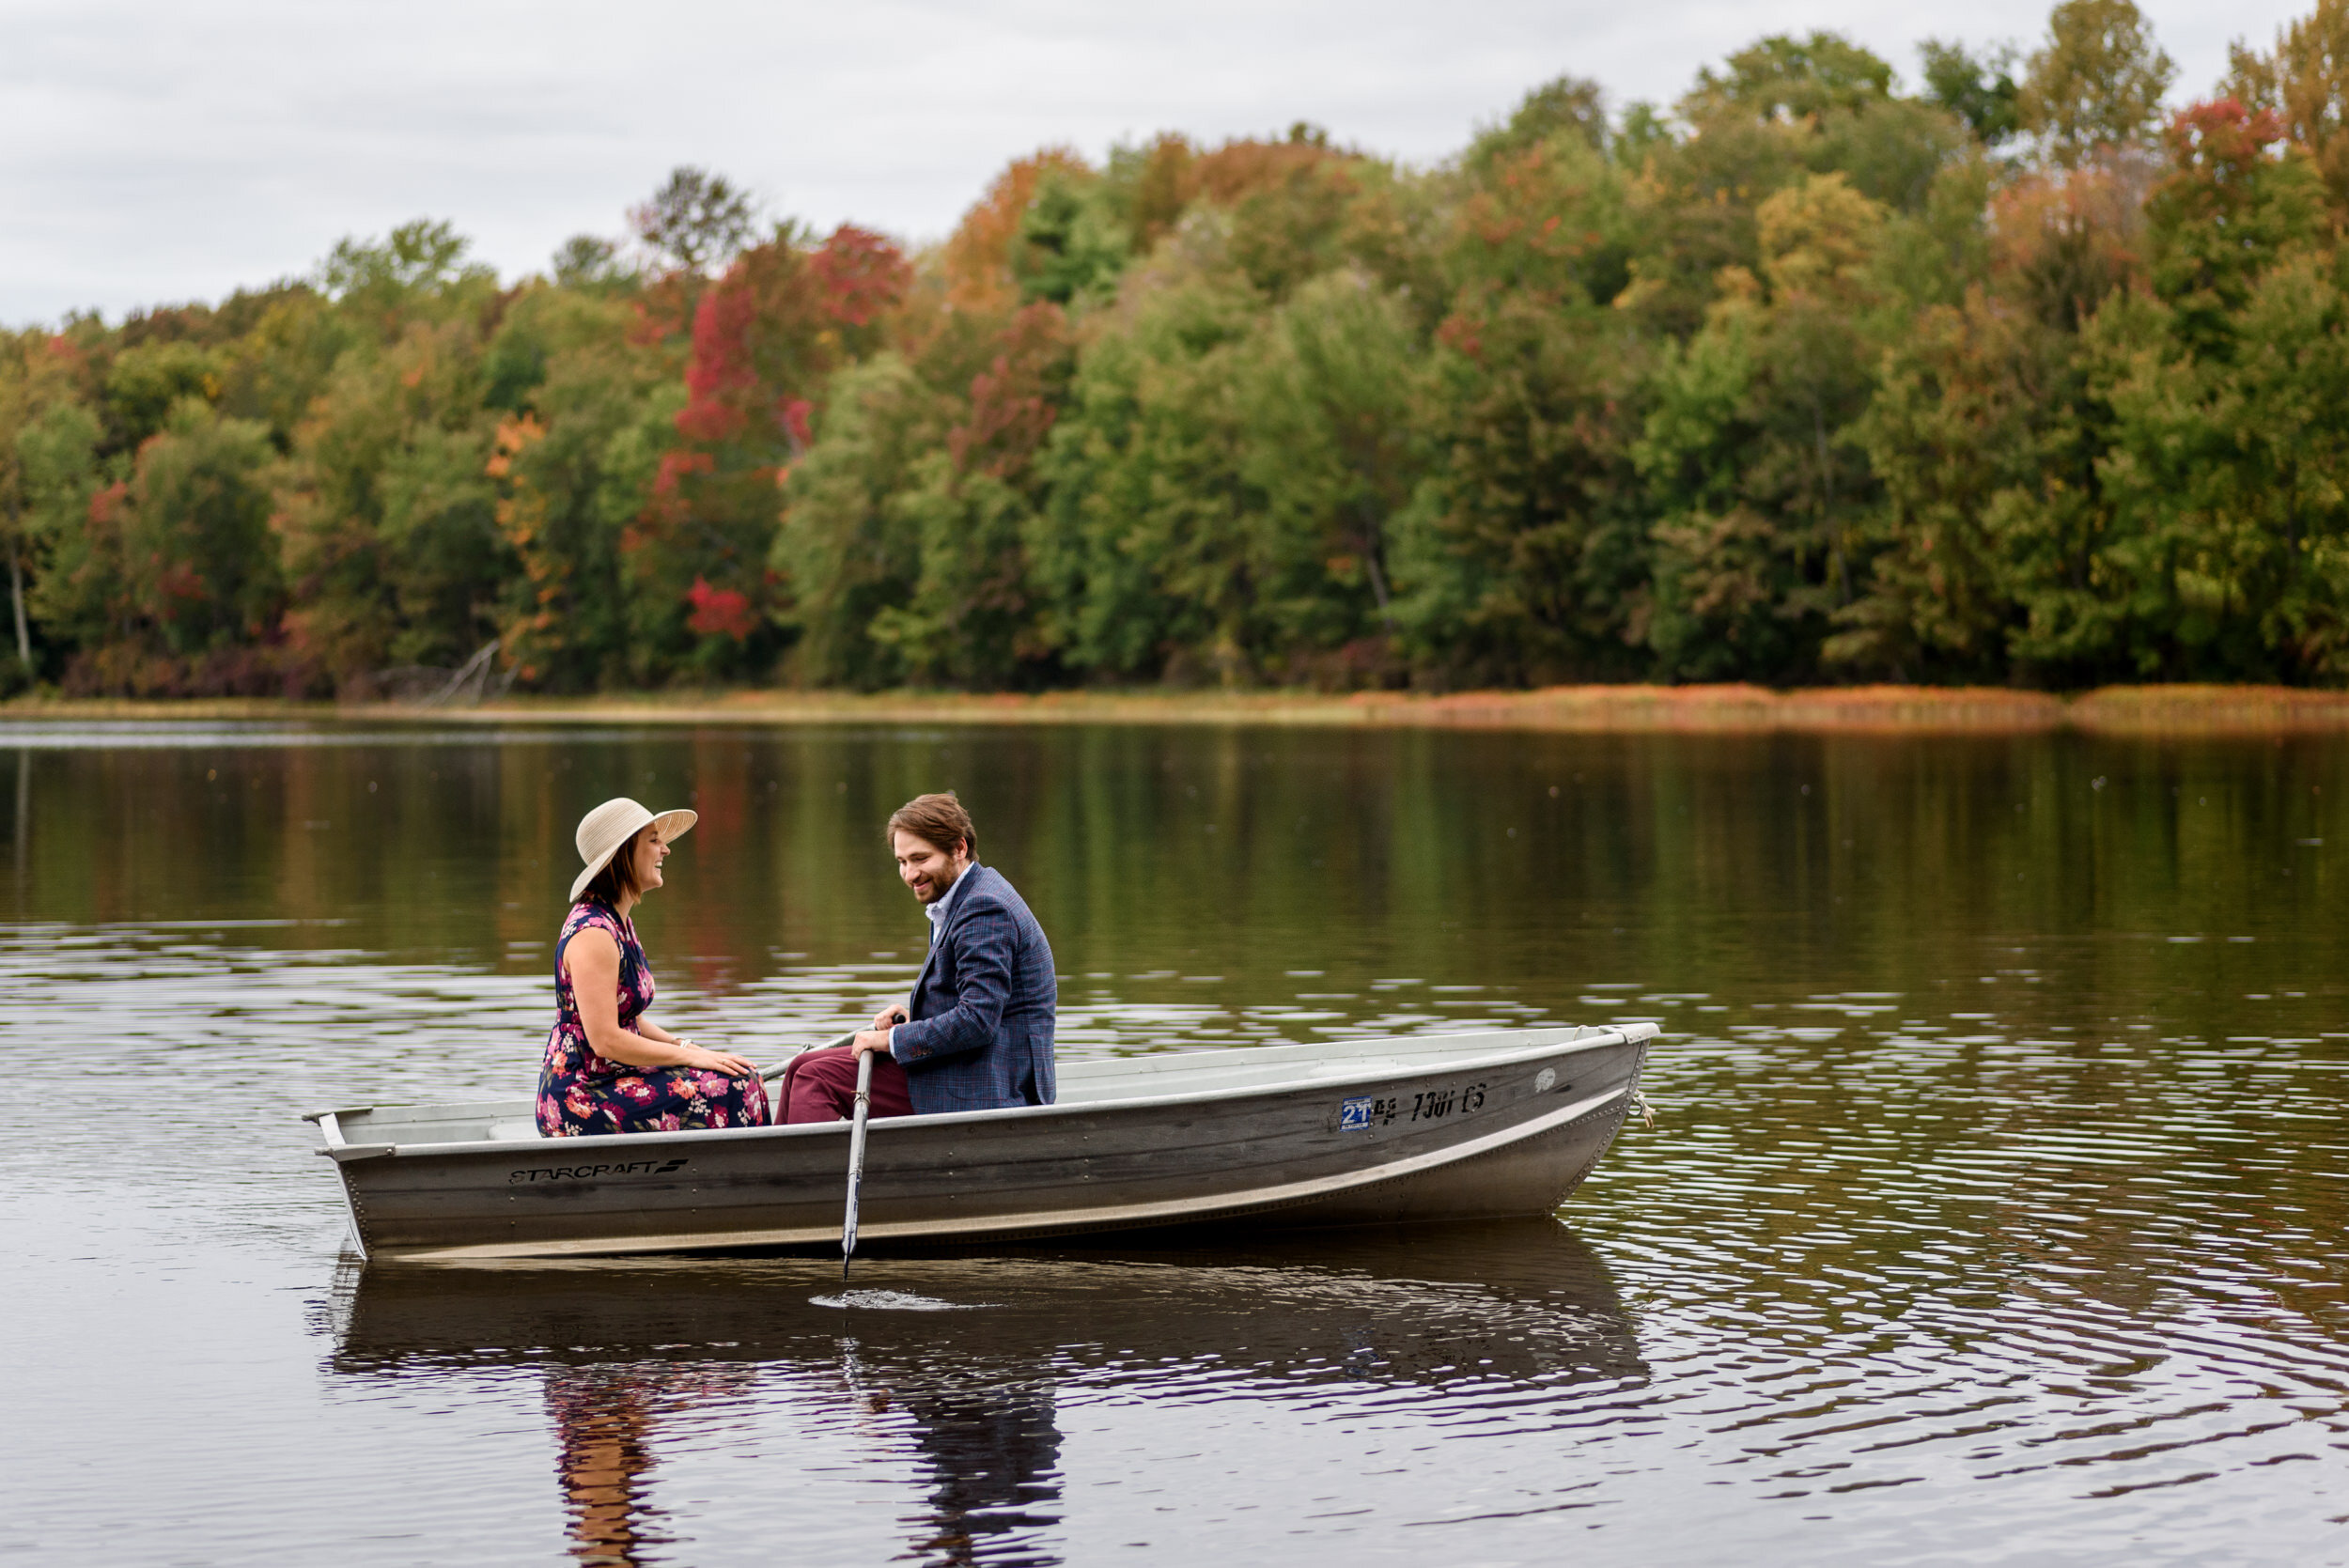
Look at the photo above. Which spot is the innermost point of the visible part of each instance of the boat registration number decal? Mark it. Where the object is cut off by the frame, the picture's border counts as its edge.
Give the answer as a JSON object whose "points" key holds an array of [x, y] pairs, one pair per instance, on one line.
{"points": [[589, 1173], [1365, 1111]]}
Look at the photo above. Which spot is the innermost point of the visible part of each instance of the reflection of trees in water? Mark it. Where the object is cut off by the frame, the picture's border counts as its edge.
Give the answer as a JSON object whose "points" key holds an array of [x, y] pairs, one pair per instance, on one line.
{"points": [[604, 1417]]}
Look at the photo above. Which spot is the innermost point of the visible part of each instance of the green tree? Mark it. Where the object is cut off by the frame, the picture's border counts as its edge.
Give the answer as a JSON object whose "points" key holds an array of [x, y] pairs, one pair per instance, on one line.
{"points": [[1749, 454], [1522, 553], [696, 221], [2219, 553], [1141, 549], [2305, 82], [1329, 401], [146, 382], [389, 516], [419, 269], [574, 469], [975, 617], [202, 559], [850, 548], [1971, 420], [1839, 99], [1569, 106], [2228, 557], [1794, 80], [1522, 558], [281, 362], [1069, 244], [590, 261], [2096, 81], [1980, 91], [34, 377], [83, 595], [1779, 110], [2227, 210]]}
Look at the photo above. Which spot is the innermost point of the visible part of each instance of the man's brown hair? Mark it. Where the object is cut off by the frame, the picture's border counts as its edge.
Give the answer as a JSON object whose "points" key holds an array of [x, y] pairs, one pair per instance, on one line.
{"points": [[617, 880], [937, 820]]}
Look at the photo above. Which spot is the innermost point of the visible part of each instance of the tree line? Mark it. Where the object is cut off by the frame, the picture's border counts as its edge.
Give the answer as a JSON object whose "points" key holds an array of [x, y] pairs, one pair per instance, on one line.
{"points": [[2017, 376]]}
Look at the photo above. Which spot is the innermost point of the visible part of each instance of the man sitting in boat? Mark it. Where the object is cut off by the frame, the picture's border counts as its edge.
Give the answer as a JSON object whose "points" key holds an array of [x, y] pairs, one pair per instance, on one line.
{"points": [[978, 1035]]}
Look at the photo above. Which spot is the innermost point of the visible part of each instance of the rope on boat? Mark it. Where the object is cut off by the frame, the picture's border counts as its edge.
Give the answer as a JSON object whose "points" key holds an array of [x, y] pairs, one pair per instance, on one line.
{"points": [[1639, 1105]]}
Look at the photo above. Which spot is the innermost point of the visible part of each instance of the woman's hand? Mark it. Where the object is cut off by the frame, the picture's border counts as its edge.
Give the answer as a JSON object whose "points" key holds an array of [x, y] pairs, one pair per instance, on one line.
{"points": [[716, 1061], [892, 1014]]}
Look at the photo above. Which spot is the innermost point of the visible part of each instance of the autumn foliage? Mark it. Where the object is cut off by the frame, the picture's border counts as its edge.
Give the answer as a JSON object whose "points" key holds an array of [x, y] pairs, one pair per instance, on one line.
{"points": [[2030, 376]]}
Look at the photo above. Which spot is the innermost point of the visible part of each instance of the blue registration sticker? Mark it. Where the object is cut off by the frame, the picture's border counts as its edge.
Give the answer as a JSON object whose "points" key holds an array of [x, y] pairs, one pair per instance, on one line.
{"points": [[1354, 1115]]}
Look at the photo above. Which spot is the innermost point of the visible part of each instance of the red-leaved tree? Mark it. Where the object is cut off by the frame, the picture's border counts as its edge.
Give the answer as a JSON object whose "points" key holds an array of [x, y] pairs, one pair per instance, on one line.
{"points": [[766, 337]]}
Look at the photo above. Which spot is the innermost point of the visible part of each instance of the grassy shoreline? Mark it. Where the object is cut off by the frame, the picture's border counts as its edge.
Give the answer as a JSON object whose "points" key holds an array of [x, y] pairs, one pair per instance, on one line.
{"points": [[1692, 709]]}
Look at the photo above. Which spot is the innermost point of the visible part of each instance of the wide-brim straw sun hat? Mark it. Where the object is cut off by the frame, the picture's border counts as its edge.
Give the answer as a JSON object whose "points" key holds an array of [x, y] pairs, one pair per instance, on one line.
{"points": [[603, 830]]}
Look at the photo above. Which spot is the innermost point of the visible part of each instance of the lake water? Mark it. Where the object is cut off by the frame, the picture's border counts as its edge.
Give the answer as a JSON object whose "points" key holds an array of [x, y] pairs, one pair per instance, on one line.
{"points": [[1993, 1211]]}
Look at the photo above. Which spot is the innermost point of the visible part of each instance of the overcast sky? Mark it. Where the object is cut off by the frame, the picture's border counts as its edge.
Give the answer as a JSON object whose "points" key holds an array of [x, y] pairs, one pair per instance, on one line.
{"points": [[154, 152]]}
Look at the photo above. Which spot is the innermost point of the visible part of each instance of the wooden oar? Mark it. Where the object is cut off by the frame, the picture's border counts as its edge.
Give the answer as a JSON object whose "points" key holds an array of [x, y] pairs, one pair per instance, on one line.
{"points": [[855, 1159], [856, 1132]]}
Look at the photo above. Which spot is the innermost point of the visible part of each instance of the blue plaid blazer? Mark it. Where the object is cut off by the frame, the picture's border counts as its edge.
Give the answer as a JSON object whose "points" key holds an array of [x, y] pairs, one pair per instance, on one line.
{"points": [[983, 1006]]}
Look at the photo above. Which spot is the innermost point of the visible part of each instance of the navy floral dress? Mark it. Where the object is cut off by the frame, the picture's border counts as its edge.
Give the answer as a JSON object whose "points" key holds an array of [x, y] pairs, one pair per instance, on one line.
{"points": [[581, 1092]]}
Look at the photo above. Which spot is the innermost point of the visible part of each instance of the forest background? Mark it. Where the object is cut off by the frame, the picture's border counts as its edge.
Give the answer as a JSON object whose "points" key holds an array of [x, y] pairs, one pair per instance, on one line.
{"points": [[2016, 379]]}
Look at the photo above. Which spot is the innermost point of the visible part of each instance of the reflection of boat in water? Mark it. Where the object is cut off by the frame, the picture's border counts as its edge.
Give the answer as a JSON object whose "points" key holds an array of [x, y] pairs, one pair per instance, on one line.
{"points": [[1373, 1131], [1522, 1299], [631, 1347]]}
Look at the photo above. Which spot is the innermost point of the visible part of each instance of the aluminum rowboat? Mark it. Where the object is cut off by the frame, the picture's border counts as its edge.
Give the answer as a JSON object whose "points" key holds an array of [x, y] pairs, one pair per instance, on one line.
{"points": [[1385, 1130]]}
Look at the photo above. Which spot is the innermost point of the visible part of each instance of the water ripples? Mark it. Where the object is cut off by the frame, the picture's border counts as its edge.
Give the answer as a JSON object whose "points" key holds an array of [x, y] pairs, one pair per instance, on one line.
{"points": [[1952, 1241], [2001, 1262], [1879, 1267]]}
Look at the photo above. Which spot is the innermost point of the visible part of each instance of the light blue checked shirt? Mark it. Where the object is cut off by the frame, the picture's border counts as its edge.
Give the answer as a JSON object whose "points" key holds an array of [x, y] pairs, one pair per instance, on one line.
{"points": [[937, 911]]}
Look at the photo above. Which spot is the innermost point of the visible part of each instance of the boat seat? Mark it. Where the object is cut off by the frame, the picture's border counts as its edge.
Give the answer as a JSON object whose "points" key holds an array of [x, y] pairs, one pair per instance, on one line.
{"points": [[500, 1132]]}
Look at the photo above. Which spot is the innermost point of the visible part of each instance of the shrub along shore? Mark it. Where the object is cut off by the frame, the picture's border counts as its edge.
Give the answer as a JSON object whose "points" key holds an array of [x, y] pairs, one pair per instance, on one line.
{"points": [[1719, 710]]}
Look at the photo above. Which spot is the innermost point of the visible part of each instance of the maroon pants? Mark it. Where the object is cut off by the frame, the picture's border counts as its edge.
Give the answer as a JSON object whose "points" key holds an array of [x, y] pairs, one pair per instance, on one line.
{"points": [[820, 1086]]}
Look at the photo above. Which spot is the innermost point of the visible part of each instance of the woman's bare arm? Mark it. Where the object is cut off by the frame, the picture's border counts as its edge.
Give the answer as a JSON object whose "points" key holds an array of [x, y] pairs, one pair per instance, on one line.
{"points": [[593, 959]]}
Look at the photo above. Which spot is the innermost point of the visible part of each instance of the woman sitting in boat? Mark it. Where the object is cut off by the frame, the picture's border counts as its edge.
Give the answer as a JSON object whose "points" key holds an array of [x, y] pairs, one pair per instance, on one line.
{"points": [[609, 1068]]}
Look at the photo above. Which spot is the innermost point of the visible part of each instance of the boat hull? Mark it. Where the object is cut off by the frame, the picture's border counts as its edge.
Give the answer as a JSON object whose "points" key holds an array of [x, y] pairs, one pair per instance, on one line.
{"points": [[1380, 1132]]}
